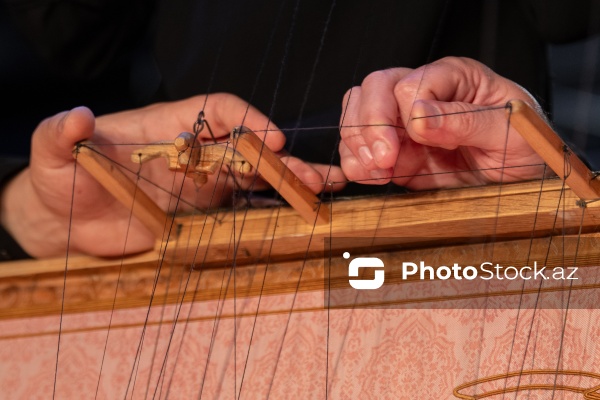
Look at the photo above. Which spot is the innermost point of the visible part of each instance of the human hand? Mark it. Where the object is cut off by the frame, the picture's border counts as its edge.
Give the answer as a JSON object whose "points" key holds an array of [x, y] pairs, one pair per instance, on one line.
{"points": [[419, 129], [40, 203]]}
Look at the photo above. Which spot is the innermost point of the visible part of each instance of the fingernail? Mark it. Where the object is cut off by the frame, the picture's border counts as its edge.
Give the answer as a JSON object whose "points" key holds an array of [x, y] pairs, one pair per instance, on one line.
{"points": [[380, 149], [365, 155], [431, 116]]}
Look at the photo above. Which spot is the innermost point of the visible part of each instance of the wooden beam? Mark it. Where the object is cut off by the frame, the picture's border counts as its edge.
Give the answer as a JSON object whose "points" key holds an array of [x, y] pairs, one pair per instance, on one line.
{"points": [[274, 171], [35, 287], [553, 150], [434, 218], [508, 224], [122, 188]]}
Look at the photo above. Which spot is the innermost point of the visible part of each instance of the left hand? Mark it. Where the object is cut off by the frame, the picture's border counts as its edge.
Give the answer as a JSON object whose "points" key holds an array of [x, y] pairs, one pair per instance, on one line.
{"points": [[36, 204]]}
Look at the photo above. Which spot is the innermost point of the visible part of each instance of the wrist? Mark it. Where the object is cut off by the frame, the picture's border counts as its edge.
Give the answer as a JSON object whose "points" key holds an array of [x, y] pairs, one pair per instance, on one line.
{"points": [[25, 218]]}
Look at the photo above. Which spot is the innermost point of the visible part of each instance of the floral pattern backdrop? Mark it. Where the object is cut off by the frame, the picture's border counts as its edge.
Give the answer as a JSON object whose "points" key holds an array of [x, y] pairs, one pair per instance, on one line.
{"points": [[308, 353]]}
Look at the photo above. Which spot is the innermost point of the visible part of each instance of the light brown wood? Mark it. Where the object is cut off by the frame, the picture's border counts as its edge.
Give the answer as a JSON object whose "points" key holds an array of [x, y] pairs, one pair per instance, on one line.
{"points": [[22, 268], [122, 188], [278, 253], [280, 177], [434, 218], [196, 160], [553, 150], [35, 288]]}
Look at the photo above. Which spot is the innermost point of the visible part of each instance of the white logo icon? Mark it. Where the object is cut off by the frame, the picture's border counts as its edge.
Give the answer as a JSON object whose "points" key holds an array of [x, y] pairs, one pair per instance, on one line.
{"points": [[365, 262]]}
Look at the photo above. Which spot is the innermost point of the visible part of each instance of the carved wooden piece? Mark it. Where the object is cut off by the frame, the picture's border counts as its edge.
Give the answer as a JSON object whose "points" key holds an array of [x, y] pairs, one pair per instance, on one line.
{"points": [[553, 150], [185, 154]]}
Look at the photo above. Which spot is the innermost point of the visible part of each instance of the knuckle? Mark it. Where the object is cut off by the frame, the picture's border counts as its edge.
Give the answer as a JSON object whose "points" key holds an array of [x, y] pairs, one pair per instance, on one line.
{"points": [[373, 78], [404, 89], [455, 62], [370, 116], [450, 60], [466, 120], [350, 169], [350, 93], [457, 128], [351, 137]]}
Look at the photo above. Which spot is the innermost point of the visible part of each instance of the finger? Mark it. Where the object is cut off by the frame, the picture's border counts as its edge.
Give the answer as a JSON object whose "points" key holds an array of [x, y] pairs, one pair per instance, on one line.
{"points": [[456, 79], [421, 167], [452, 124], [357, 153], [56, 136], [317, 177], [355, 171], [379, 115], [370, 117], [350, 131], [249, 181], [225, 111], [332, 177], [448, 79]]}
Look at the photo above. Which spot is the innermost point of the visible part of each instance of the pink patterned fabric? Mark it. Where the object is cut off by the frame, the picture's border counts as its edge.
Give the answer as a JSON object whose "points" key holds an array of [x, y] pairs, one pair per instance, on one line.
{"points": [[310, 353]]}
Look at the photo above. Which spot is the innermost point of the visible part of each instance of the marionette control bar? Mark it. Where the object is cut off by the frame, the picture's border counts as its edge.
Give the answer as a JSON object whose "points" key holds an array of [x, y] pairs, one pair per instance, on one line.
{"points": [[553, 150], [245, 153], [279, 176]]}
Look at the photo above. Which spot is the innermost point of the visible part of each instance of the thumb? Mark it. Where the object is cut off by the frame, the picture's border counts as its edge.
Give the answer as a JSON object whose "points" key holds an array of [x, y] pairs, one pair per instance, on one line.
{"points": [[55, 137], [452, 124]]}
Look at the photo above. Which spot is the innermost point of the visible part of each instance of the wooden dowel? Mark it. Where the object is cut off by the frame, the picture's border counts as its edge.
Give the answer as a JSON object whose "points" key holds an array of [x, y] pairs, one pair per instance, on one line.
{"points": [[122, 188], [274, 171], [553, 150]]}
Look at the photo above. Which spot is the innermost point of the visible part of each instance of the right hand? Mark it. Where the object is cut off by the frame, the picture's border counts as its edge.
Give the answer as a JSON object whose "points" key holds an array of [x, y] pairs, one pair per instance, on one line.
{"points": [[420, 129]]}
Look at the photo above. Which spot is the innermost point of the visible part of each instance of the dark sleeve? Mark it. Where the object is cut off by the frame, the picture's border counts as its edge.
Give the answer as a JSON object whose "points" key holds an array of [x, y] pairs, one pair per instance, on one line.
{"points": [[9, 248], [560, 21], [81, 38]]}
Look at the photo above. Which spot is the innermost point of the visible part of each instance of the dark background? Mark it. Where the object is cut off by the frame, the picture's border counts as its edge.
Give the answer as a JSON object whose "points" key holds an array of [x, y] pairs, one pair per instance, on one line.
{"points": [[31, 93], [576, 88]]}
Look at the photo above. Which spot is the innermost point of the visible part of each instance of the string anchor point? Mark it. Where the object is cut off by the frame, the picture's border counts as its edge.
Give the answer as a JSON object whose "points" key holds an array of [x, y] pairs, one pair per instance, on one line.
{"points": [[199, 124], [77, 148]]}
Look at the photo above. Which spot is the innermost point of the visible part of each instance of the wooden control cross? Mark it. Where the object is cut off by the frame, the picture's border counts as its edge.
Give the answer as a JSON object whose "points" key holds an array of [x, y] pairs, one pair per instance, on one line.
{"points": [[245, 153]]}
